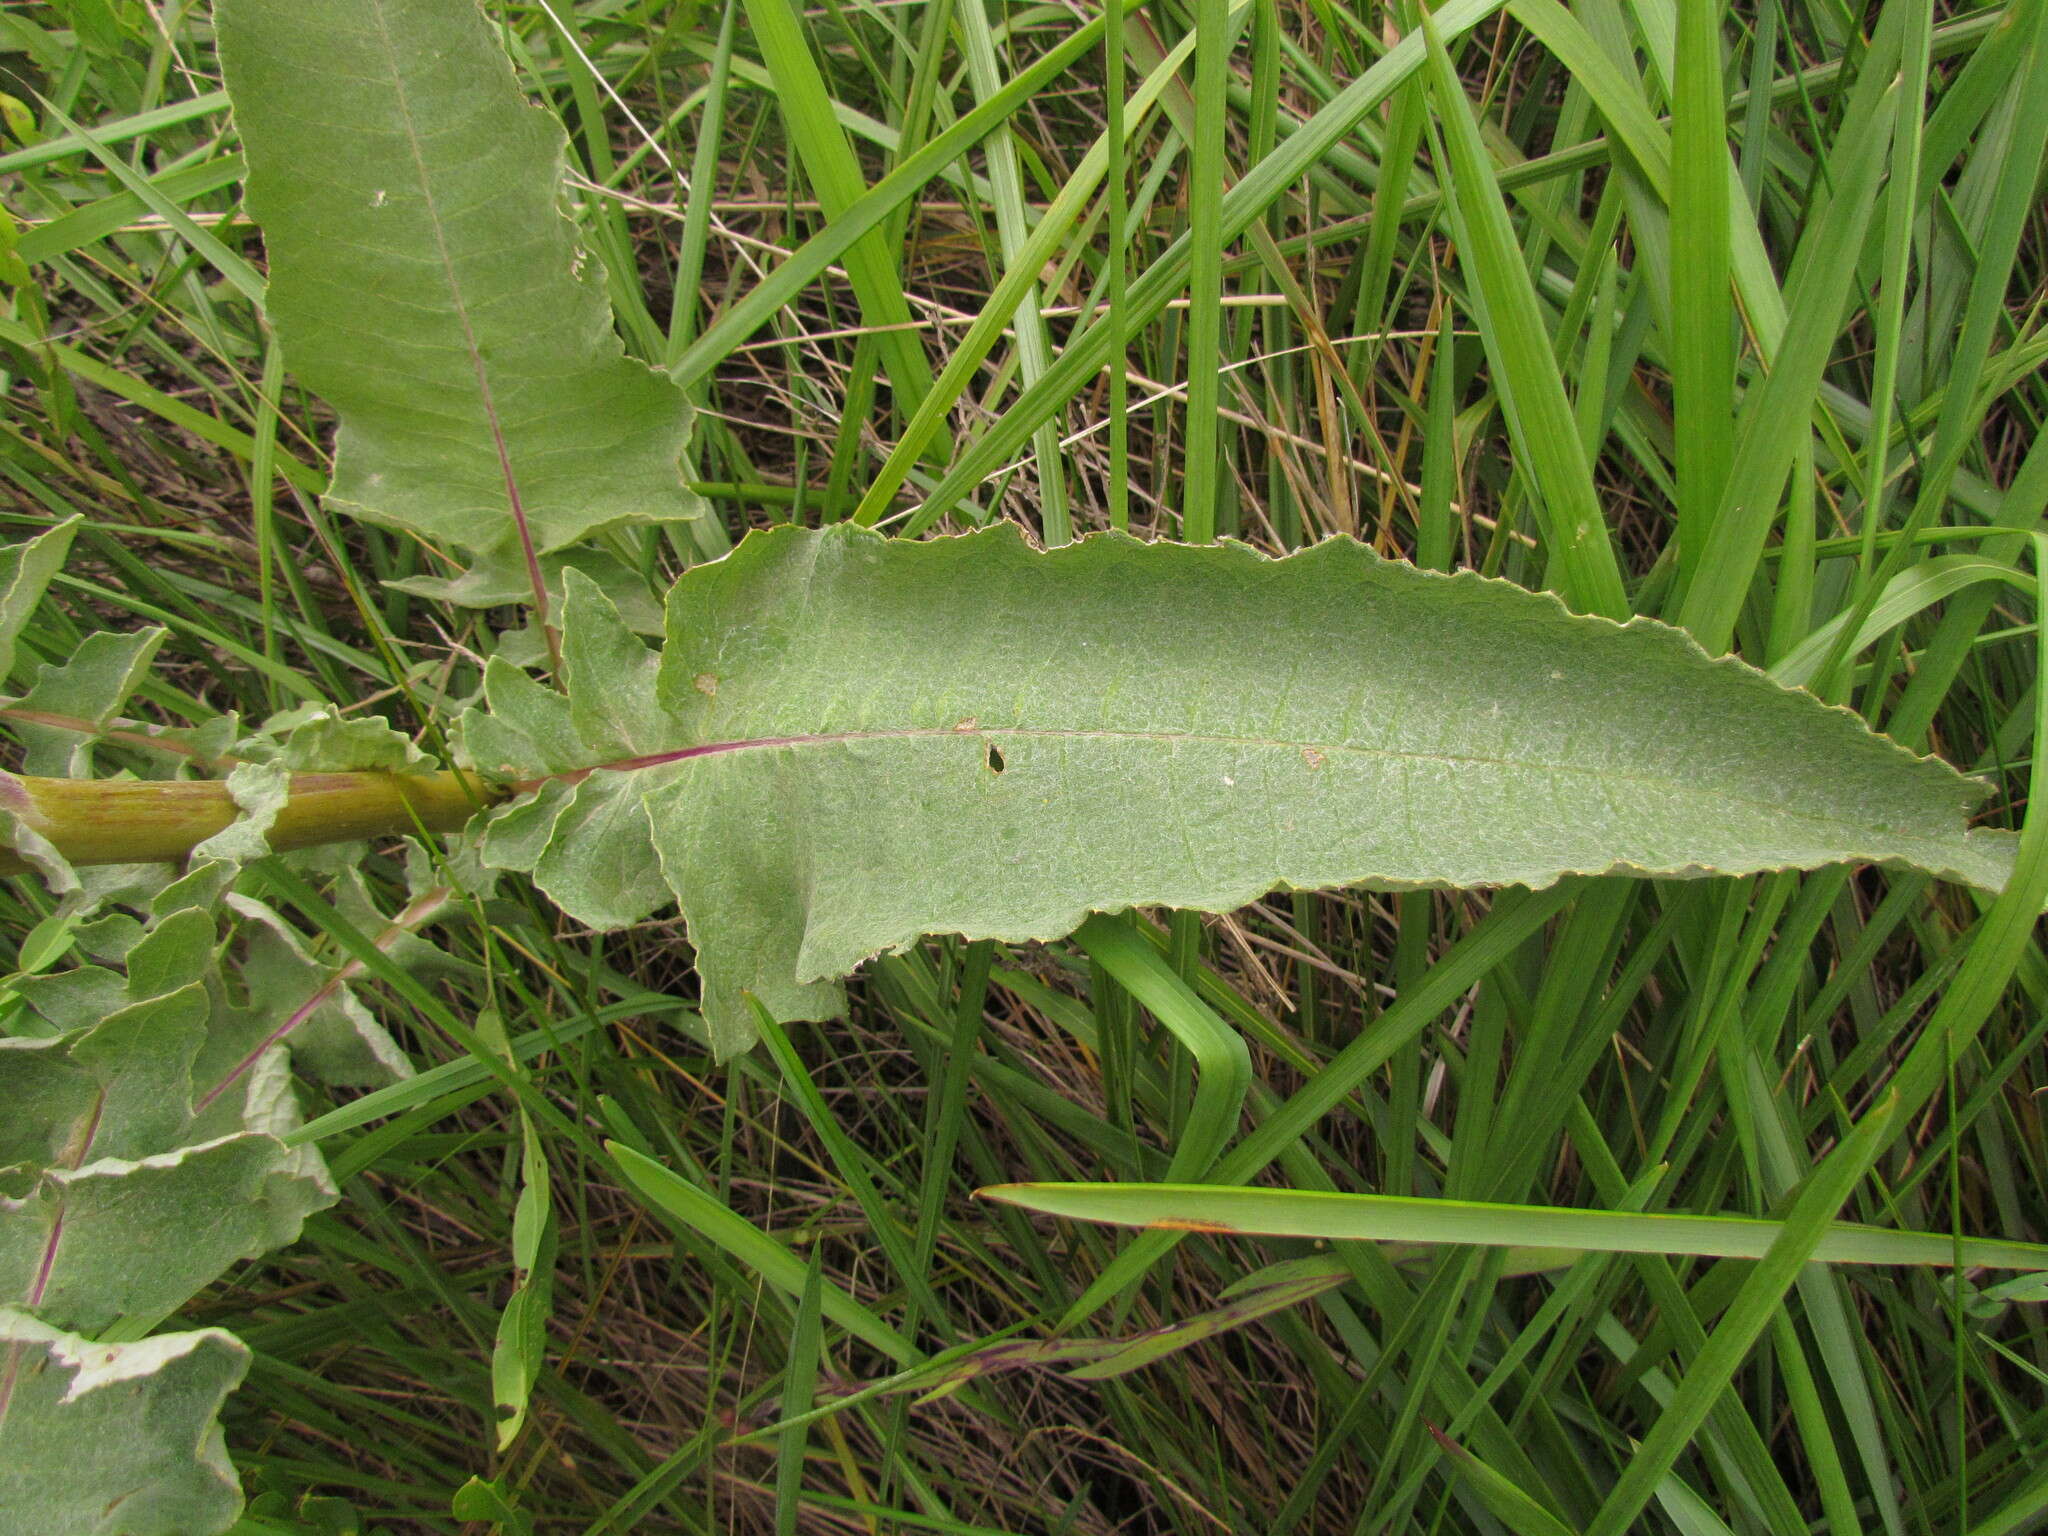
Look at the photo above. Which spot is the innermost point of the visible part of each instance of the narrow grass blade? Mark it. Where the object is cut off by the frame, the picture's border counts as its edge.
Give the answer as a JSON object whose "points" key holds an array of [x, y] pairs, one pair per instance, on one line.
{"points": [[1518, 345], [1777, 416], [1398, 1218], [1702, 351], [1804, 1229], [1013, 227], [682, 1201], [835, 175], [878, 204], [1223, 1065], [1213, 36], [1086, 354], [799, 1386]]}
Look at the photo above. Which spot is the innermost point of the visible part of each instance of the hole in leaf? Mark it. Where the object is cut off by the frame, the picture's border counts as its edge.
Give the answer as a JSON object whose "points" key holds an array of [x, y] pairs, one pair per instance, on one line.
{"points": [[994, 758]]}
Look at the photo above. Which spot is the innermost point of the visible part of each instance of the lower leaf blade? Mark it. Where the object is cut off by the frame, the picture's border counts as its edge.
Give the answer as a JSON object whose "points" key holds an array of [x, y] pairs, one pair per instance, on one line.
{"points": [[116, 1437]]}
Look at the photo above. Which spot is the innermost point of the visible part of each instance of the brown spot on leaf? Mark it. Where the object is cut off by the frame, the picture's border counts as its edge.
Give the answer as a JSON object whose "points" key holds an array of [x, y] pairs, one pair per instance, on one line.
{"points": [[705, 684], [1313, 756]]}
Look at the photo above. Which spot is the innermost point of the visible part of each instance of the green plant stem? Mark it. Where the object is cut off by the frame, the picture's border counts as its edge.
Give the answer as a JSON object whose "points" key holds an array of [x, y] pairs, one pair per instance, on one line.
{"points": [[92, 821]]}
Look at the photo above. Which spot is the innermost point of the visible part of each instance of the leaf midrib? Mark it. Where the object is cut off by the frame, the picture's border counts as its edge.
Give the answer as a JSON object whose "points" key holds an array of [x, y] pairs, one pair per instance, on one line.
{"points": [[834, 738]]}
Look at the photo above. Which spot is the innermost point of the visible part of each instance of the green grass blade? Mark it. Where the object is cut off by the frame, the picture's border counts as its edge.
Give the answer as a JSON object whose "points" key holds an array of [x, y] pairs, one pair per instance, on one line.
{"points": [[1213, 37], [1755, 1304], [1702, 351], [1776, 418], [1518, 345], [682, 1201], [1403, 1219], [1013, 225], [835, 175], [1087, 353]]}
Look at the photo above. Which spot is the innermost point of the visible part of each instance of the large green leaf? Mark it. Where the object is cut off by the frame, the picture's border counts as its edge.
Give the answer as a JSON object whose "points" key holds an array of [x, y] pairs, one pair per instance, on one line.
{"points": [[115, 1439], [425, 282], [139, 1238], [850, 741], [141, 1156]]}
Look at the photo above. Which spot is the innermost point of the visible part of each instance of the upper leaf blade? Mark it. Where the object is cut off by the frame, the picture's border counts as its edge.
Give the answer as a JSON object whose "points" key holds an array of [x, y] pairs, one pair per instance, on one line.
{"points": [[869, 740], [425, 282]]}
